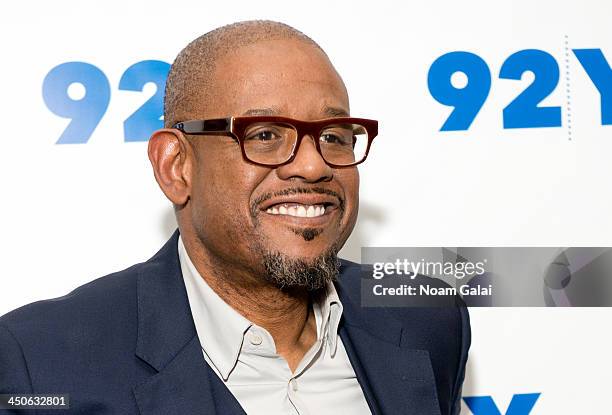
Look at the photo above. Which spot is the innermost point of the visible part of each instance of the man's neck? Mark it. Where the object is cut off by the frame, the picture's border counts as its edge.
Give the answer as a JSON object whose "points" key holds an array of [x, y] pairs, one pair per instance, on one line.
{"points": [[286, 314]]}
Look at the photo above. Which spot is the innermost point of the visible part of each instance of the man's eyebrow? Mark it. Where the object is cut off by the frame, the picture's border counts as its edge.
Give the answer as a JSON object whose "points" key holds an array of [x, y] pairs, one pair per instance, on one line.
{"points": [[335, 112], [261, 111], [272, 111]]}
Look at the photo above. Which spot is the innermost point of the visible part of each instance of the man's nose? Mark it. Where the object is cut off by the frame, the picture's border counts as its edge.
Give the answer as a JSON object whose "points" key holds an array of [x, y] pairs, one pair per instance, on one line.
{"points": [[307, 165]]}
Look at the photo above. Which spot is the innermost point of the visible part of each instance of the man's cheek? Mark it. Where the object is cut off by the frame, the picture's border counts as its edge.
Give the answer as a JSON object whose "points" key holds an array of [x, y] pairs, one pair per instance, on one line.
{"points": [[351, 201]]}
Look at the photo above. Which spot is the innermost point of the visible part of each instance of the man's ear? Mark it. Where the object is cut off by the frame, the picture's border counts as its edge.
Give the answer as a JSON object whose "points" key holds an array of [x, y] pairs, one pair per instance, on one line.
{"points": [[171, 158]]}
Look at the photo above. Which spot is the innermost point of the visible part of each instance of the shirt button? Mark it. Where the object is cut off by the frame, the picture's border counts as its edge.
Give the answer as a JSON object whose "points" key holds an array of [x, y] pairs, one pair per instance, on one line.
{"points": [[294, 384], [256, 340]]}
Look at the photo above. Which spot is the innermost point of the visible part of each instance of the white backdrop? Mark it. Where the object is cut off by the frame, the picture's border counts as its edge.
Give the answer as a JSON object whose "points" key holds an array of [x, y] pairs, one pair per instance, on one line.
{"points": [[74, 212]]}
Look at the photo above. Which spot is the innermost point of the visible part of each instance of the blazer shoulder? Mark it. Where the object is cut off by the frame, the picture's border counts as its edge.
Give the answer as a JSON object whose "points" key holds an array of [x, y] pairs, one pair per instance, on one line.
{"points": [[93, 304]]}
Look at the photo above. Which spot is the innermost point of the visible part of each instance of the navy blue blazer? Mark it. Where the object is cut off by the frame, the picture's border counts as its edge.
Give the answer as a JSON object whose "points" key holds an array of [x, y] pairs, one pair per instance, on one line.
{"points": [[126, 344]]}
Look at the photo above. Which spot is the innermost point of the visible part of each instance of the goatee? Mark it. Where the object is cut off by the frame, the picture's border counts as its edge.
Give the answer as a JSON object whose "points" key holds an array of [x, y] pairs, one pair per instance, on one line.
{"points": [[287, 273]]}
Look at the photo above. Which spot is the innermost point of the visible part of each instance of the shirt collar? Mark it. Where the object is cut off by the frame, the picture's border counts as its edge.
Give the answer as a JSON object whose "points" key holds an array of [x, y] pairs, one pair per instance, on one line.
{"points": [[221, 329], [330, 308]]}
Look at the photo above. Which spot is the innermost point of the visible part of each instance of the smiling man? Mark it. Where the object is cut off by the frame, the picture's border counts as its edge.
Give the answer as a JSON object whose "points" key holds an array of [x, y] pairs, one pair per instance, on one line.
{"points": [[247, 307]]}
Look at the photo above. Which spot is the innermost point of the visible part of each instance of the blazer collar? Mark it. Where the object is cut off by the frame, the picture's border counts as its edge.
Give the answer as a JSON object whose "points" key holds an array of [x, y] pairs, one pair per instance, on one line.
{"points": [[167, 341], [165, 324]]}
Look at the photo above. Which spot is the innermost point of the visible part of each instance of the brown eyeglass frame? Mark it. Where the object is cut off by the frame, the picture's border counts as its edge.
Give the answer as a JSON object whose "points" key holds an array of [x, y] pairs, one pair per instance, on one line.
{"points": [[235, 127]]}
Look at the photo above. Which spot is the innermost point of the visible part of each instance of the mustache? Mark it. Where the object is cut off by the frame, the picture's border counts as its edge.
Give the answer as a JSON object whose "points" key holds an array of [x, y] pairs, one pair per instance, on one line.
{"points": [[293, 191]]}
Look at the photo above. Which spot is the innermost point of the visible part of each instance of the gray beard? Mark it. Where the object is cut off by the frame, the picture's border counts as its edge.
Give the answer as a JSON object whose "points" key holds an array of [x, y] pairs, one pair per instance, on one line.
{"points": [[287, 273]]}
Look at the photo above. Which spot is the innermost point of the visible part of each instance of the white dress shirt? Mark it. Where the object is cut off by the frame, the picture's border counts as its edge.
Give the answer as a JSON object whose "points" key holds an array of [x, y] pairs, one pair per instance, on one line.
{"points": [[244, 356]]}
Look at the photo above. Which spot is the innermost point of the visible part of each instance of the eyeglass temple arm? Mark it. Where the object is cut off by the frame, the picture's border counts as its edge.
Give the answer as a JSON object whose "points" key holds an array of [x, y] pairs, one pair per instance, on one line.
{"points": [[205, 127]]}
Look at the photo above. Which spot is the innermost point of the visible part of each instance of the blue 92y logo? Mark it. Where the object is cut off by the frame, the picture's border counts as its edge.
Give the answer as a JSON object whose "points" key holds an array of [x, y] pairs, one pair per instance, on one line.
{"points": [[87, 112], [521, 404], [524, 111]]}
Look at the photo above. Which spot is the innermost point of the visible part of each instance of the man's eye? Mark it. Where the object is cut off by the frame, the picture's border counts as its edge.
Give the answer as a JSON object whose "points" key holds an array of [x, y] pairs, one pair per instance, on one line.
{"points": [[333, 138], [262, 135]]}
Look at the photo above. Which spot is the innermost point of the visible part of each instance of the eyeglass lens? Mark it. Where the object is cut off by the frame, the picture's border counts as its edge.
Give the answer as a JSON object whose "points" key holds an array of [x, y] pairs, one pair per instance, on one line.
{"points": [[273, 143]]}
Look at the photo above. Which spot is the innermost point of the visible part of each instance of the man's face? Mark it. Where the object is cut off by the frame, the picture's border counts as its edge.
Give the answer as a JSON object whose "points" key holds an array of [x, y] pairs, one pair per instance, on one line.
{"points": [[230, 198]]}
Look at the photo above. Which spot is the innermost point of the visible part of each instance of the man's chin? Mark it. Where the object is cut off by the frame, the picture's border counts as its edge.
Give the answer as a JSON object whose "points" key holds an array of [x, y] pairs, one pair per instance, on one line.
{"points": [[290, 272]]}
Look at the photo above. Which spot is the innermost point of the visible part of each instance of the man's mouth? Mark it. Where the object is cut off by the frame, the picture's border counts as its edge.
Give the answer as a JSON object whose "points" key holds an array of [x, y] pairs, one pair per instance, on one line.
{"points": [[301, 206], [297, 209]]}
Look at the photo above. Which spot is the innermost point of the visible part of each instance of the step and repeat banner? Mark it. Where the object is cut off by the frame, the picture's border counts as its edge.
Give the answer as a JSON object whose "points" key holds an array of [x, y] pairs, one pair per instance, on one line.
{"points": [[495, 131]]}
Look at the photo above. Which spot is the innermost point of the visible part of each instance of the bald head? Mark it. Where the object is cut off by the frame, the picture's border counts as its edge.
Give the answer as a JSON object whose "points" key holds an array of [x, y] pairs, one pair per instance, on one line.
{"points": [[191, 79]]}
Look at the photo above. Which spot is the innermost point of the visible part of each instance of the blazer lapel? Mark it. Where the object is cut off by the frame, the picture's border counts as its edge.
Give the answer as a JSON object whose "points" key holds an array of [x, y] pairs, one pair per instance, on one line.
{"points": [[168, 342], [182, 387], [394, 379], [187, 385]]}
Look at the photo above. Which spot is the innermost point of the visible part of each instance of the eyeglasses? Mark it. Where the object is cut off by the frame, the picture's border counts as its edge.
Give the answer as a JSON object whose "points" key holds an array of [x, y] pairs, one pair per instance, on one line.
{"points": [[274, 141]]}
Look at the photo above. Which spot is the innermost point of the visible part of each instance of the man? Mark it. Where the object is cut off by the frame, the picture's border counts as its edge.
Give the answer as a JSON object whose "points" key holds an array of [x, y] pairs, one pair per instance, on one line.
{"points": [[247, 309]]}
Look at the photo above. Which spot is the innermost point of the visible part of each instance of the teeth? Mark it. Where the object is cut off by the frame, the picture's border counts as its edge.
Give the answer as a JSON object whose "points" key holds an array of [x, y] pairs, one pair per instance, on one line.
{"points": [[310, 212], [300, 211]]}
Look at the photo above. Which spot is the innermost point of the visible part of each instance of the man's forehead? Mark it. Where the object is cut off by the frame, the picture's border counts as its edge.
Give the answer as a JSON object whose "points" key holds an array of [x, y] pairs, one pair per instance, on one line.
{"points": [[285, 58], [272, 77]]}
